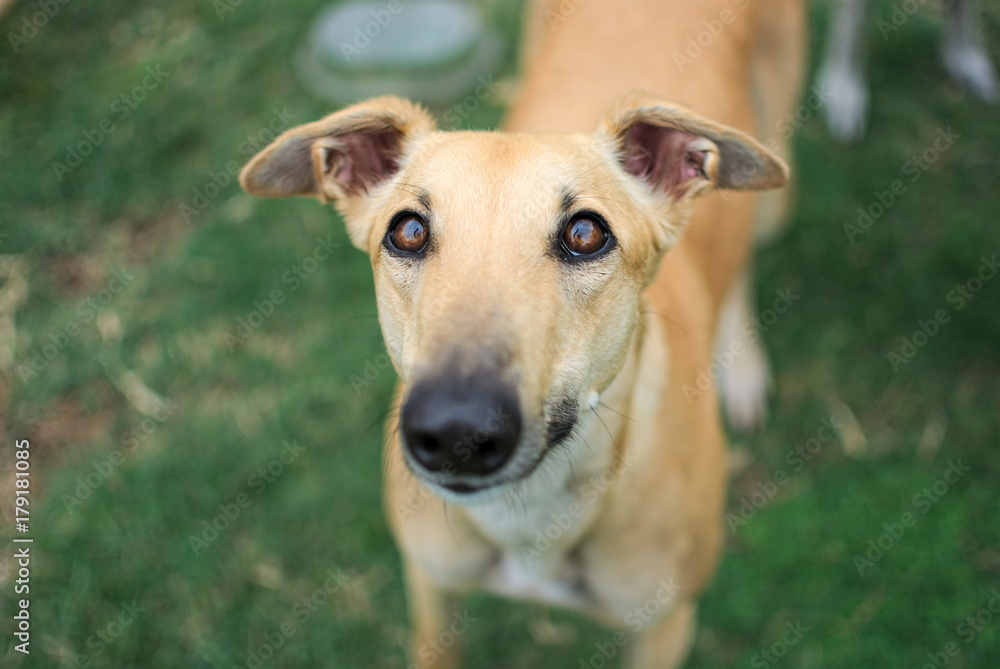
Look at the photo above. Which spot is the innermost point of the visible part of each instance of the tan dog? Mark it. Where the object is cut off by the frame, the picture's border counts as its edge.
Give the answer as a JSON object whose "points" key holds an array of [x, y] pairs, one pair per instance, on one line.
{"points": [[547, 449]]}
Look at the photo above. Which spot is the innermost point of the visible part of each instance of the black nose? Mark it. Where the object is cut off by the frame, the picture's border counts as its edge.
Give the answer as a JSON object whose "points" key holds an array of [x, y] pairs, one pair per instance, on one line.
{"points": [[466, 427]]}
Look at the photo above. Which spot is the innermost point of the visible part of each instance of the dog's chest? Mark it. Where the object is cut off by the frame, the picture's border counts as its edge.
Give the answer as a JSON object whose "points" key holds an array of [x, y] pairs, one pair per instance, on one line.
{"points": [[537, 548]]}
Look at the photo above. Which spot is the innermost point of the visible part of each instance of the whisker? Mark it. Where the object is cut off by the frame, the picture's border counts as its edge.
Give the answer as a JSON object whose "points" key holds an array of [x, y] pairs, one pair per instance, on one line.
{"points": [[611, 180], [517, 492], [446, 509], [666, 318], [583, 174], [377, 420], [617, 412], [569, 463], [385, 462], [414, 193], [627, 205], [611, 436]]}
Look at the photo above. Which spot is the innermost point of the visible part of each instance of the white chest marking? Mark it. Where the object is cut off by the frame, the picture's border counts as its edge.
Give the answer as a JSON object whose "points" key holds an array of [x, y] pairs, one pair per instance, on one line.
{"points": [[536, 528]]}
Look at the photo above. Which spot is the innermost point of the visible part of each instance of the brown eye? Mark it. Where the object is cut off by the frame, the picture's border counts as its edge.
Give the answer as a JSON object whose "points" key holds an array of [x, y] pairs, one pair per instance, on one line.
{"points": [[408, 233], [584, 236]]}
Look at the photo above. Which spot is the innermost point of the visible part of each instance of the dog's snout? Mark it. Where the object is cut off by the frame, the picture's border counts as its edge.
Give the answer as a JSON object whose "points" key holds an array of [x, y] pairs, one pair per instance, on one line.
{"points": [[465, 428]]}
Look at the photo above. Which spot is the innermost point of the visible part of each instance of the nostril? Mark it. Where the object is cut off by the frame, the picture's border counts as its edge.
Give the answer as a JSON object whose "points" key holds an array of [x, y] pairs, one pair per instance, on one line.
{"points": [[492, 456], [429, 445], [425, 447]]}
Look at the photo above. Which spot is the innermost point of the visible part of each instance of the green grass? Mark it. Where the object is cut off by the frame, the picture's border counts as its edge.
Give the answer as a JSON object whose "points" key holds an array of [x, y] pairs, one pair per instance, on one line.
{"points": [[291, 381]]}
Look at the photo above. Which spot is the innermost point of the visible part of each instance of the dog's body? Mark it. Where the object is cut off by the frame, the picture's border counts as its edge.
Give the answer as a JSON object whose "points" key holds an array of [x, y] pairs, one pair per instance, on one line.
{"points": [[549, 446]]}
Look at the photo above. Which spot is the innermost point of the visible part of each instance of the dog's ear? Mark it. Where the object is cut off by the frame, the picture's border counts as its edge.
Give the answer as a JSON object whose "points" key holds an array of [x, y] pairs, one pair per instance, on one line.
{"points": [[341, 156], [681, 154]]}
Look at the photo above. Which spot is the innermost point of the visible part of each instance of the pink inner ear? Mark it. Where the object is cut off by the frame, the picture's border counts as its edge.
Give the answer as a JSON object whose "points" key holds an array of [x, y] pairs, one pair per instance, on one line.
{"points": [[365, 159], [662, 157]]}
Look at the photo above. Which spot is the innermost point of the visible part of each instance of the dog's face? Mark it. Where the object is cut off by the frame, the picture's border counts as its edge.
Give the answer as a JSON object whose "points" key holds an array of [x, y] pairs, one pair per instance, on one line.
{"points": [[508, 267]]}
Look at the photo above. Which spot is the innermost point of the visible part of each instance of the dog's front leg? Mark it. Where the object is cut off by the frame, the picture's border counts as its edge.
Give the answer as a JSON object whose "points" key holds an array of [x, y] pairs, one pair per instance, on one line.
{"points": [[431, 610], [665, 644]]}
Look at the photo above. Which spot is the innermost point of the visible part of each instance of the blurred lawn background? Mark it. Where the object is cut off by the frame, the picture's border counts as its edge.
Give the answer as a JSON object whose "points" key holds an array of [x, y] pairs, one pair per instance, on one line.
{"points": [[148, 402]]}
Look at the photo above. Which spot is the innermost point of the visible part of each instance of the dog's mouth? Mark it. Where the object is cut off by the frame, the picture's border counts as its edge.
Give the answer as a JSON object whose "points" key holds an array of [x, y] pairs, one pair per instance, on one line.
{"points": [[464, 488], [468, 489]]}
